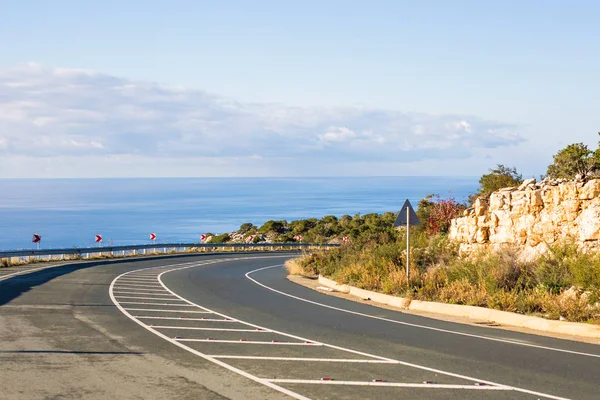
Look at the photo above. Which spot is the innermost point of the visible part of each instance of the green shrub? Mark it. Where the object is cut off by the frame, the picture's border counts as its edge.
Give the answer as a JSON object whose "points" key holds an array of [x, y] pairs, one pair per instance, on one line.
{"points": [[224, 238]]}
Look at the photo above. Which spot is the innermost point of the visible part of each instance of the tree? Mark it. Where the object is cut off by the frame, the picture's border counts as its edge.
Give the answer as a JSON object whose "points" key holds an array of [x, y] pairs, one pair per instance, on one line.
{"points": [[575, 159], [273, 226], [247, 227], [498, 178]]}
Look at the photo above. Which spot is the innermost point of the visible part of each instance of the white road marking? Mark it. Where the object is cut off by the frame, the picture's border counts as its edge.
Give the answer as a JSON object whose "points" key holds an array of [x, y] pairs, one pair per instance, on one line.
{"points": [[339, 360], [391, 384], [267, 382], [123, 287], [163, 310], [143, 298], [155, 304], [143, 293], [3, 277], [417, 366], [129, 285], [248, 342], [200, 354], [185, 319], [195, 328], [519, 343]]}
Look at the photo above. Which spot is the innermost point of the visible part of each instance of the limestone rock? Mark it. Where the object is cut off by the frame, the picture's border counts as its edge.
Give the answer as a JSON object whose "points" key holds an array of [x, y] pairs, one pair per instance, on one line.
{"points": [[532, 216], [480, 207], [589, 224], [526, 183], [590, 190]]}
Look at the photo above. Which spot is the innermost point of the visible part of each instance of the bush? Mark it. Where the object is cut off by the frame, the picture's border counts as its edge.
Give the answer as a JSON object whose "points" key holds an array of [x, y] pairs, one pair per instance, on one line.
{"points": [[575, 159], [497, 178], [272, 226], [436, 214], [224, 238]]}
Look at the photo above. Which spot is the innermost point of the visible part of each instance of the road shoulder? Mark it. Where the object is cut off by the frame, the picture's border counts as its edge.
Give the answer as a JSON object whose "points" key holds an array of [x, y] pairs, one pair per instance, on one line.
{"points": [[313, 283]]}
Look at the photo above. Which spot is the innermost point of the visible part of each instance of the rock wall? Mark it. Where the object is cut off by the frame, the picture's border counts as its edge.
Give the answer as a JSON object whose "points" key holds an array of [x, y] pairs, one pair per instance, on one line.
{"points": [[532, 216]]}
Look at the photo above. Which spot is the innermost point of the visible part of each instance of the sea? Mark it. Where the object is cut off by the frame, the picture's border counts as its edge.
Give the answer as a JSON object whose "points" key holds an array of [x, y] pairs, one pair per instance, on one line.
{"points": [[70, 212]]}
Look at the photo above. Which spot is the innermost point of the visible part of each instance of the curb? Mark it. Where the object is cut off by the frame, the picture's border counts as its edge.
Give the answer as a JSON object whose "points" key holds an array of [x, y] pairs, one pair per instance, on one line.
{"points": [[473, 312]]}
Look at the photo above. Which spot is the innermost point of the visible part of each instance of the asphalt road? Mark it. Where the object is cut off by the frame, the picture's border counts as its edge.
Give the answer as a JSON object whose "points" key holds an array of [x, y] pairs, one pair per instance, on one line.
{"points": [[209, 327]]}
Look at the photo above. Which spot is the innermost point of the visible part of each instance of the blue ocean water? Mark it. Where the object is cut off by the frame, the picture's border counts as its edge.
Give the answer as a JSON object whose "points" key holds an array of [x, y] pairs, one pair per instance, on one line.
{"points": [[69, 212]]}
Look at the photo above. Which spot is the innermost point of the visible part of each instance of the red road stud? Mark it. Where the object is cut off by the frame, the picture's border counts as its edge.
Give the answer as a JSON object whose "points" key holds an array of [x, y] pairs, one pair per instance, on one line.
{"points": [[428, 382], [308, 342], [242, 340], [326, 379], [210, 338], [275, 341], [481, 384], [378, 380]]}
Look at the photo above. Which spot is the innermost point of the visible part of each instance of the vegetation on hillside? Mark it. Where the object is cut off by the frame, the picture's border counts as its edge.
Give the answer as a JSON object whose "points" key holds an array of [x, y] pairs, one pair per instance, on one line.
{"points": [[328, 228]]}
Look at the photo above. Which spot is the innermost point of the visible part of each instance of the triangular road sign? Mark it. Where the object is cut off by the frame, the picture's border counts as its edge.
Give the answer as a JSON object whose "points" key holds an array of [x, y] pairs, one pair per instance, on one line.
{"points": [[402, 216]]}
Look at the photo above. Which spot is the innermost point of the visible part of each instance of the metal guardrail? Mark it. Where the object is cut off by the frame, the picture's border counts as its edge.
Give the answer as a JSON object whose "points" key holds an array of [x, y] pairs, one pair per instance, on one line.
{"points": [[160, 248]]}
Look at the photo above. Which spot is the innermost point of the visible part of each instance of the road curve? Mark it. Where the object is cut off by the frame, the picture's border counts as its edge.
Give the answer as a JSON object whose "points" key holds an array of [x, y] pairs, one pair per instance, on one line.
{"points": [[232, 326]]}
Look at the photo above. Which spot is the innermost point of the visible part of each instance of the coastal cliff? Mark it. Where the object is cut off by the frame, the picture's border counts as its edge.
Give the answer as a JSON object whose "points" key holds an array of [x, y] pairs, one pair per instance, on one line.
{"points": [[532, 217]]}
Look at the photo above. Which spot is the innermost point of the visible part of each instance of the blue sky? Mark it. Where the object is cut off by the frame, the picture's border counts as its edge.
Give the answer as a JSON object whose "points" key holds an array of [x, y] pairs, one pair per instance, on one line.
{"points": [[294, 88]]}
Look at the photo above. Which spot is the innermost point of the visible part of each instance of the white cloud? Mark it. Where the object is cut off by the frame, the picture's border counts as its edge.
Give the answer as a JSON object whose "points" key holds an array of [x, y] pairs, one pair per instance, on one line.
{"points": [[66, 113], [337, 134]]}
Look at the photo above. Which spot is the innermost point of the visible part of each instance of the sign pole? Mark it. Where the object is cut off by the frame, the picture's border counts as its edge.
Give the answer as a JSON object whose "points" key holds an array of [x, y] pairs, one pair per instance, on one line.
{"points": [[408, 247], [408, 219]]}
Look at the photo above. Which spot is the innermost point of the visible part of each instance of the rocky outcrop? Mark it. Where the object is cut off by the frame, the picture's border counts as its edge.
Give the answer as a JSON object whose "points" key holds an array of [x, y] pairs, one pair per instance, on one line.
{"points": [[532, 216]]}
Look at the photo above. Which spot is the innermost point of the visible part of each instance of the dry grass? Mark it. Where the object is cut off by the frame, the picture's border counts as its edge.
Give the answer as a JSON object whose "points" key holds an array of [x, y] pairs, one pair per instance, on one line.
{"points": [[294, 267], [564, 284]]}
